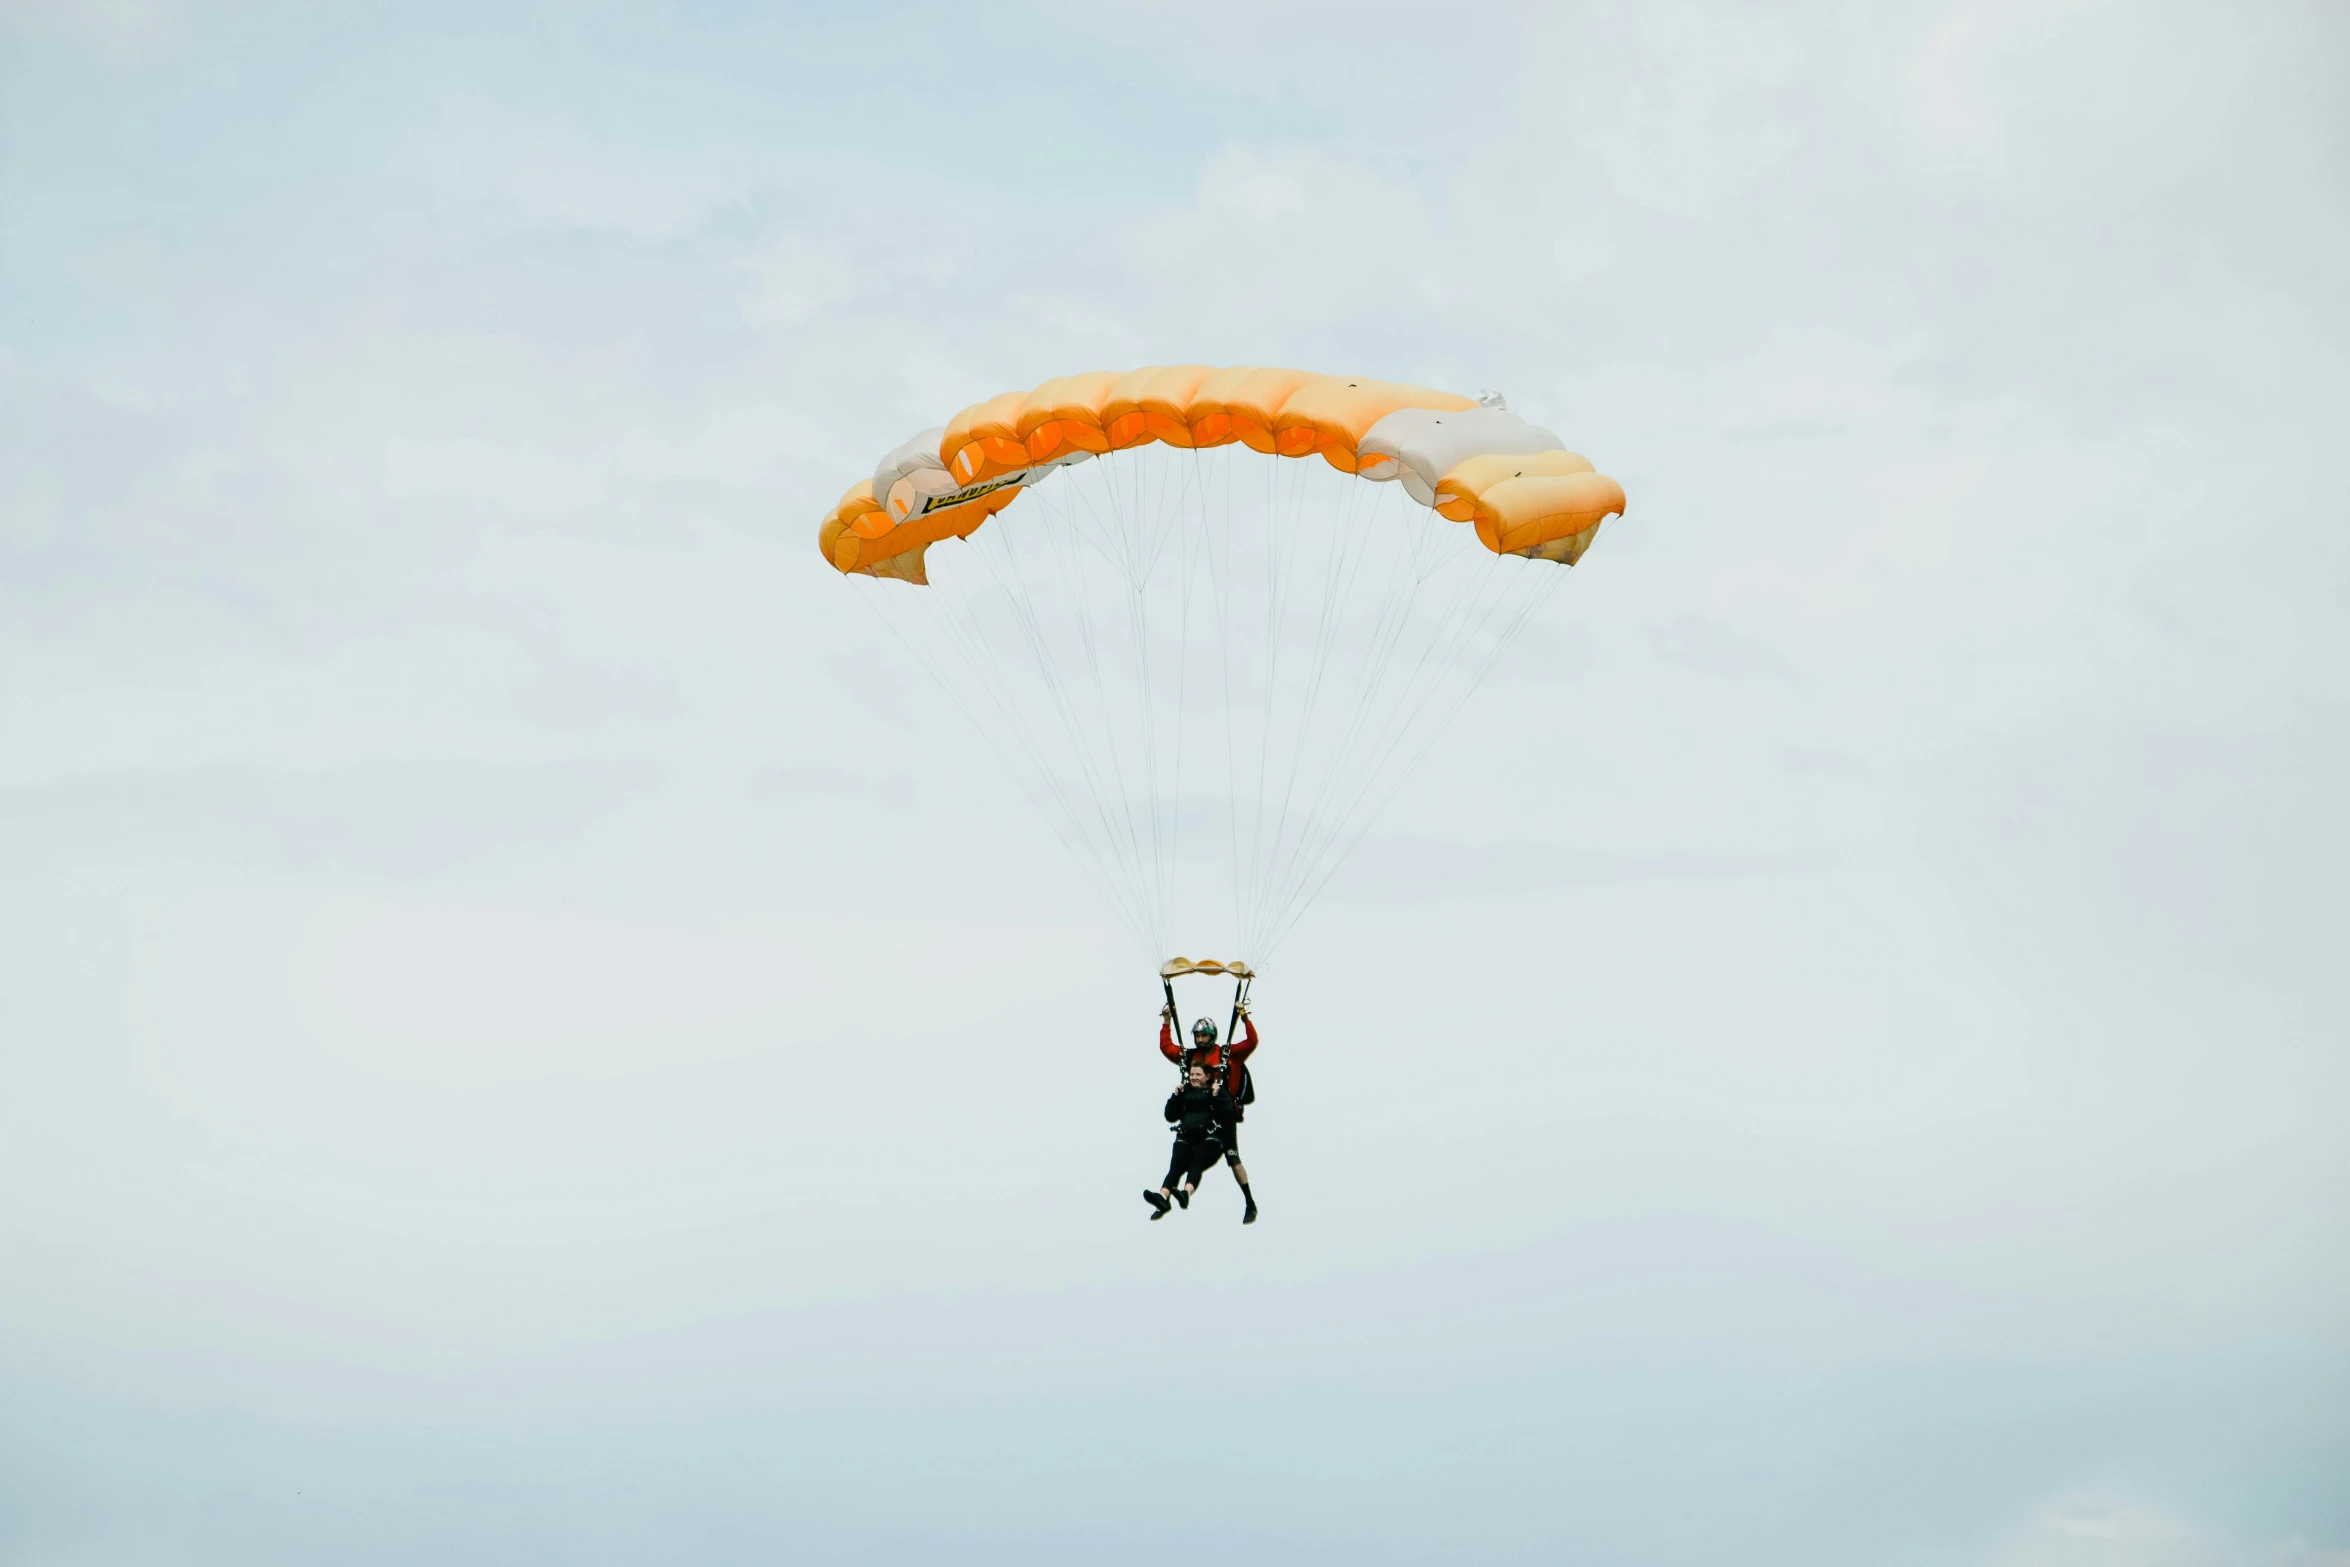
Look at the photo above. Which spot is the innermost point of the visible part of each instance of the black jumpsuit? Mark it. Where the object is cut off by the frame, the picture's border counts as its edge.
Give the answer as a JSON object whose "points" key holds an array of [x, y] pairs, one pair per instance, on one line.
{"points": [[1199, 1116]]}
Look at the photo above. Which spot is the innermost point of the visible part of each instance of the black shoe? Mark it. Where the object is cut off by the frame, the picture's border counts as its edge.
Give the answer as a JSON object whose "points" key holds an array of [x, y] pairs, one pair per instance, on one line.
{"points": [[1250, 1217], [1158, 1204], [1183, 1196]]}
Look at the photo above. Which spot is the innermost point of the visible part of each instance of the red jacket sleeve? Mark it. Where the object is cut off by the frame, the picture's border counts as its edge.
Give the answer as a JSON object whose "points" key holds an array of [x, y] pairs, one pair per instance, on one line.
{"points": [[1240, 1052], [1167, 1042]]}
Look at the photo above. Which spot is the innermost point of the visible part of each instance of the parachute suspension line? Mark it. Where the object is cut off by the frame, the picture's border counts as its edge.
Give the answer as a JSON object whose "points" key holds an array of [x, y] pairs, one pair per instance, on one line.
{"points": [[1382, 781], [1034, 635], [1344, 619], [979, 653], [1280, 561], [1187, 555], [1156, 528], [1138, 642], [1401, 592], [1165, 803], [1544, 586], [1130, 526], [1458, 629], [1218, 589], [1282, 507], [1187, 569], [1277, 532], [1137, 605], [1362, 779], [1104, 714], [1071, 835], [1013, 582], [1012, 579], [1344, 721], [1162, 823], [1339, 560], [1291, 731]]}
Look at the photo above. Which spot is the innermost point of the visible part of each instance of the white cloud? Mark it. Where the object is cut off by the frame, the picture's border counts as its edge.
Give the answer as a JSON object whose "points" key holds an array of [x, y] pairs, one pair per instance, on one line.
{"points": [[544, 168], [1943, 74], [1281, 242], [117, 27], [2095, 1531], [789, 280]]}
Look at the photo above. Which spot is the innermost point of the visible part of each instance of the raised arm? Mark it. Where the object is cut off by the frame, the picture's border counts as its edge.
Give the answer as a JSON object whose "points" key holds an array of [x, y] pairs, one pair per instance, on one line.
{"points": [[1239, 1053], [1167, 1045]]}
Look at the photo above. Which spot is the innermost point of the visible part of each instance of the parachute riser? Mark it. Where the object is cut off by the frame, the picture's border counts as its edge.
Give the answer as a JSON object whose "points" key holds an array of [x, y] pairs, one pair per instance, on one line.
{"points": [[1174, 1028]]}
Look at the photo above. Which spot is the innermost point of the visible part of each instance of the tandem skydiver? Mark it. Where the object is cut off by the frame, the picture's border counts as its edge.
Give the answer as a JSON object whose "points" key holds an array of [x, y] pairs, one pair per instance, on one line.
{"points": [[1199, 1111], [1232, 1090]]}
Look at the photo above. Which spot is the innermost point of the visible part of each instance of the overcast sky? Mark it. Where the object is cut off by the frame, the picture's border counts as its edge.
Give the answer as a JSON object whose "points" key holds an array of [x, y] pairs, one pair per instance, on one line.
{"points": [[528, 1033]]}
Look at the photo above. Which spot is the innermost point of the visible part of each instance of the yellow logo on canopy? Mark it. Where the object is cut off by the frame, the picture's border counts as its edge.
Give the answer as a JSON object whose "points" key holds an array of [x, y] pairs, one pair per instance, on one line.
{"points": [[971, 493]]}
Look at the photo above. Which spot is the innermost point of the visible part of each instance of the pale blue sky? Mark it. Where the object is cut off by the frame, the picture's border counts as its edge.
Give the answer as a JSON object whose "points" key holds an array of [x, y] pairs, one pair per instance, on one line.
{"points": [[529, 1037]]}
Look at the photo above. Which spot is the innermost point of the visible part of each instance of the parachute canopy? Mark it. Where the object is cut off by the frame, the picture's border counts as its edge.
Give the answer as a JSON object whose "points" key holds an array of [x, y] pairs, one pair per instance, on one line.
{"points": [[1212, 669], [1468, 461]]}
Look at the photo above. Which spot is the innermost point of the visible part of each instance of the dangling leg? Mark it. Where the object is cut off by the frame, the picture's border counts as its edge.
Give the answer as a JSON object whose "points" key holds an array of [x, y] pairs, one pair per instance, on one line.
{"points": [[1240, 1174], [1190, 1159], [1160, 1200]]}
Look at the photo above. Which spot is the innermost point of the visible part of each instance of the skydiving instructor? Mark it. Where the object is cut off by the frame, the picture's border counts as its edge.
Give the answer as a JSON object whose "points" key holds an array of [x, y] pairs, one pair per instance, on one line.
{"points": [[1206, 1112]]}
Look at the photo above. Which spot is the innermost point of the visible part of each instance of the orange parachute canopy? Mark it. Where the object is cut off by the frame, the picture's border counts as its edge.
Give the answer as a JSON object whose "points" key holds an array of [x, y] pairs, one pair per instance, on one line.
{"points": [[1469, 460]]}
